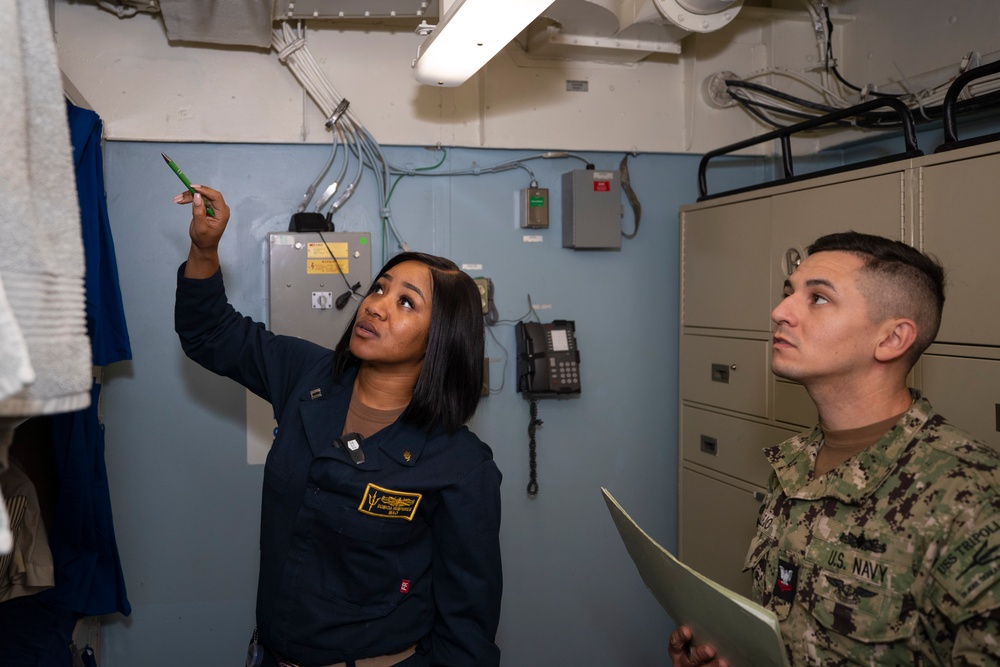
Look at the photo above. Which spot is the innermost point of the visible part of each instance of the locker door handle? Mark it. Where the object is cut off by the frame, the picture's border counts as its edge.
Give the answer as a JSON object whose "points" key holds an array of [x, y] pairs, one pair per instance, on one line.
{"points": [[709, 445], [720, 372]]}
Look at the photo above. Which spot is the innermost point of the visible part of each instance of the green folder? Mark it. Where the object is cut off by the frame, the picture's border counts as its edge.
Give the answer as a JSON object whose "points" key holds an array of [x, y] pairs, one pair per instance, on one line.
{"points": [[741, 631]]}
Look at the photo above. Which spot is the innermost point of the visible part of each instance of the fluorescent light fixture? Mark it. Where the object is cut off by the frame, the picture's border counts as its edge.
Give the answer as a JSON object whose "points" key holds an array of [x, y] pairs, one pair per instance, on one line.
{"points": [[471, 32]]}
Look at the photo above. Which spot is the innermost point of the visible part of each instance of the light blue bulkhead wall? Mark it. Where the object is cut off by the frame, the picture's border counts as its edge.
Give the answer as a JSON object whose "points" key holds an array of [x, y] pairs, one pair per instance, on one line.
{"points": [[186, 504]]}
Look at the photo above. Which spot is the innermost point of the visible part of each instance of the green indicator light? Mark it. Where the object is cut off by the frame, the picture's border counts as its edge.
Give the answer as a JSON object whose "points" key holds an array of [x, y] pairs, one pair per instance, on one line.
{"points": [[363, 240]]}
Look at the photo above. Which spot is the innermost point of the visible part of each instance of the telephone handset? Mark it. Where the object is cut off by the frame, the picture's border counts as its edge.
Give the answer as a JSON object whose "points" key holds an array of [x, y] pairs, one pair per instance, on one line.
{"points": [[548, 360], [548, 366]]}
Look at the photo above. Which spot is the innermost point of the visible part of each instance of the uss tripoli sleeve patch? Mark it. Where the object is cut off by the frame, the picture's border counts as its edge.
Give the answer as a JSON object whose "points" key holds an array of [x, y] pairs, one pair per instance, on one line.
{"points": [[969, 572], [389, 504]]}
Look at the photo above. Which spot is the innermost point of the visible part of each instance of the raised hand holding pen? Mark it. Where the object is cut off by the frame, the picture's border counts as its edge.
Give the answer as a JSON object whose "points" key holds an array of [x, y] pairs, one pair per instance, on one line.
{"points": [[205, 231], [184, 179]]}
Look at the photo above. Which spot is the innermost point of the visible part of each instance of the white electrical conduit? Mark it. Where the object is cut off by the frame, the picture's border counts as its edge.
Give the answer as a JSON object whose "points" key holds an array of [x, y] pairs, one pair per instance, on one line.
{"points": [[332, 188], [292, 51], [311, 190], [353, 185], [357, 141]]}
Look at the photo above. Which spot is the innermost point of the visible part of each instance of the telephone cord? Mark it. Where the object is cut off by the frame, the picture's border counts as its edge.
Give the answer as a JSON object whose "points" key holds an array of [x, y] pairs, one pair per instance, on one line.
{"points": [[533, 423]]}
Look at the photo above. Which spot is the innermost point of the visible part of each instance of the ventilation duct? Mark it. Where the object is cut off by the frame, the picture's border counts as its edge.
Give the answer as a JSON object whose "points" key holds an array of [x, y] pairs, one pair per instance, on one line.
{"points": [[623, 30], [601, 30]]}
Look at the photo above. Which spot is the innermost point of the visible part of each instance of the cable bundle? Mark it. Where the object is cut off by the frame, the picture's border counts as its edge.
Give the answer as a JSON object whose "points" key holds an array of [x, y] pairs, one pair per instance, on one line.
{"points": [[779, 109], [355, 148], [360, 147]]}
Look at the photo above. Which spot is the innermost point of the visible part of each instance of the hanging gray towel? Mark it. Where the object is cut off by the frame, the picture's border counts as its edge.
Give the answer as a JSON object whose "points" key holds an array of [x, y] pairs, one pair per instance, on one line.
{"points": [[41, 250]]}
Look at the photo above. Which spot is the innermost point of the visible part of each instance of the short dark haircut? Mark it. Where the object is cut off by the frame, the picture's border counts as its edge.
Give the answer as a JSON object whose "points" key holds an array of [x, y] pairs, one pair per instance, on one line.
{"points": [[897, 281], [451, 378]]}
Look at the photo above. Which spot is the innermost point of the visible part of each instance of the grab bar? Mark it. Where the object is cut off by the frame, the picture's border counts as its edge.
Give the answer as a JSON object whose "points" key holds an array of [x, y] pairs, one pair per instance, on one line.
{"points": [[783, 134]]}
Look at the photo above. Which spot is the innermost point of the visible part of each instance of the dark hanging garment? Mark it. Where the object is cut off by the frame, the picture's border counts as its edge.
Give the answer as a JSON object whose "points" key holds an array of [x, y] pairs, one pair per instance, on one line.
{"points": [[105, 314], [89, 578]]}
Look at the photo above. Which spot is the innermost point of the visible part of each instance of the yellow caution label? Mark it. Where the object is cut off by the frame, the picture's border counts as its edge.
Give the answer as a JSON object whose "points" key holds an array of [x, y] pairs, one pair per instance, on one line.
{"points": [[327, 266], [327, 250]]}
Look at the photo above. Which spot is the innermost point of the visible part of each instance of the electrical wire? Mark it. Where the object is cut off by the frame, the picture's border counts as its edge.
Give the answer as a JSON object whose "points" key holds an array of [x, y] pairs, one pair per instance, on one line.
{"points": [[353, 144], [831, 63], [779, 108], [506, 359], [331, 189], [873, 120], [477, 170], [833, 97], [633, 200], [311, 190], [352, 289]]}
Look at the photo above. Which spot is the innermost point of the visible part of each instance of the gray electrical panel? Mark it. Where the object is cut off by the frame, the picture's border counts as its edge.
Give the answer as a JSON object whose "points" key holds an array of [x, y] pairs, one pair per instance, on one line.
{"points": [[592, 209], [307, 273]]}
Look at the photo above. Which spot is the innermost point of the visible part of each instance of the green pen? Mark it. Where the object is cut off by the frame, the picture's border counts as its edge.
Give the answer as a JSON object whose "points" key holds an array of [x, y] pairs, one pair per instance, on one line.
{"points": [[185, 181]]}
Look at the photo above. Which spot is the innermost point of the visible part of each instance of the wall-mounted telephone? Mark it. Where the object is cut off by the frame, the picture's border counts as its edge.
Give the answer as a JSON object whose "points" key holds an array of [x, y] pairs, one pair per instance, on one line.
{"points": [[548, 361]]}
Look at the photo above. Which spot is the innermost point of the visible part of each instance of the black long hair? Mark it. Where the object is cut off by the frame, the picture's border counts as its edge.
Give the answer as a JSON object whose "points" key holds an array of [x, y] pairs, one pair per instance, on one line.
{"points": [[451, 378]]}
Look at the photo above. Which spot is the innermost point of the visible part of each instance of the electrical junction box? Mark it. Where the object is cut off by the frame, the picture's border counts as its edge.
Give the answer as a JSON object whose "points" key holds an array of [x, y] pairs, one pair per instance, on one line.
{"points": [[592, 209], [535, 208], [483, 285], [307, 273]]}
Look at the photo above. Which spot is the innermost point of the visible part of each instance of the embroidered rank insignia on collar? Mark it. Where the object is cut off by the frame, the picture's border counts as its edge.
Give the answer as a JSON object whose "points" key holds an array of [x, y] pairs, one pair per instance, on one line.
{"points": [[389, 504], [784, 585]]}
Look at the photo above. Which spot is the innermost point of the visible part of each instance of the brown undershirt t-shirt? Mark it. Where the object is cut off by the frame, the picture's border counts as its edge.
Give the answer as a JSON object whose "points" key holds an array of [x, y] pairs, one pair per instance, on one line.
{"points": [[368, 421], [838, 446]]}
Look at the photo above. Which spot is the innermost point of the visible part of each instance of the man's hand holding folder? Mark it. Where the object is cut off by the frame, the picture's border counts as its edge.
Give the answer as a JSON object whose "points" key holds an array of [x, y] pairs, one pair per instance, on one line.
{"points": [[684, 654]]}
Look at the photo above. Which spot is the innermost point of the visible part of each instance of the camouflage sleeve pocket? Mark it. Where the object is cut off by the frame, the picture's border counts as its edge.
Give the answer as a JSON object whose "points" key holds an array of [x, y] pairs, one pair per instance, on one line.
{"points": [[966, 575]]}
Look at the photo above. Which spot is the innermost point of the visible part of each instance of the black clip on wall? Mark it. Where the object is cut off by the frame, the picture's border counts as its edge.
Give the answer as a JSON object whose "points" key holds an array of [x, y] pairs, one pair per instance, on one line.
{"points": [[951, 141], [784, 134]]}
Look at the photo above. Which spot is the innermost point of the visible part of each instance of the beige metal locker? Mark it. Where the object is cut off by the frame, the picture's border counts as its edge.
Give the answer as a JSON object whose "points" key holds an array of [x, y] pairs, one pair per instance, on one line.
{"points": [[726, 372], [792, 404], [712, 542], [874, 205], [966, 390], [729, 445], [960, 224], [724, 266]]}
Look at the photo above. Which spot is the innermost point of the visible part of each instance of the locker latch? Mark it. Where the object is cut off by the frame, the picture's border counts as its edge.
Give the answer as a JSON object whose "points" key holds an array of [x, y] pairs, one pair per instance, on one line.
{"points": [[720, 372]]}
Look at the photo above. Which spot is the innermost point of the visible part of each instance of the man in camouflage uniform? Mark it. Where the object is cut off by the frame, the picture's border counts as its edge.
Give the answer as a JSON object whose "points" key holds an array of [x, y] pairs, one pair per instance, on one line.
{"points": [[879, 540]]}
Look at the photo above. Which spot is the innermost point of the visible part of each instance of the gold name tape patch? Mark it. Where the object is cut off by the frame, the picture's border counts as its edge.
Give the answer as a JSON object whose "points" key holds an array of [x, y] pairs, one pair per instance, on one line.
{"points": [[390, 504]]}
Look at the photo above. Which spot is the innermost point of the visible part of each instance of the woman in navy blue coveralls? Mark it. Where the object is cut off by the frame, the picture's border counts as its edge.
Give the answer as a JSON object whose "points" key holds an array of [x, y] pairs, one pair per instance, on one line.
{"points": [[380, 513]]}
